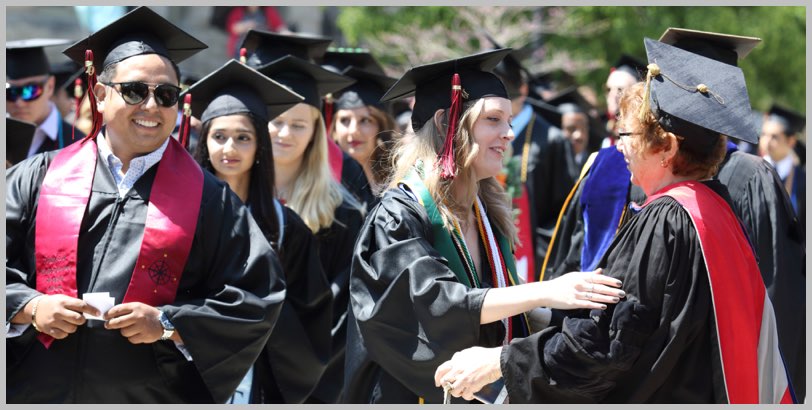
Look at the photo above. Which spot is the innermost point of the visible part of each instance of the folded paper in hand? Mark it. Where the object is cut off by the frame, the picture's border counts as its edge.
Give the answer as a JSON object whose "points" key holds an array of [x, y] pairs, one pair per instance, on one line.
{"points": [[99, 300]]}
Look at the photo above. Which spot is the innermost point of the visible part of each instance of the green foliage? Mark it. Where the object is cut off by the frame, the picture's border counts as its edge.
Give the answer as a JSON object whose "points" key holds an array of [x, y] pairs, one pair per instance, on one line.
{"points": [[593, 37]]}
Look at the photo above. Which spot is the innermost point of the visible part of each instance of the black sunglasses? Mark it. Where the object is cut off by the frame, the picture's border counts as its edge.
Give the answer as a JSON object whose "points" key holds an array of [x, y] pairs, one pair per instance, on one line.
{"points": [[28, 92], [135, 92]]}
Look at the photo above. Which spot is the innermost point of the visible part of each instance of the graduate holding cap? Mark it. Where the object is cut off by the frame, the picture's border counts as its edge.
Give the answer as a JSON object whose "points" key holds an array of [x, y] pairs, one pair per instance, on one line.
{"points": [[433, 269], [127, 211], [302, 173], [234, 103], [30, 84], [697, 325]]}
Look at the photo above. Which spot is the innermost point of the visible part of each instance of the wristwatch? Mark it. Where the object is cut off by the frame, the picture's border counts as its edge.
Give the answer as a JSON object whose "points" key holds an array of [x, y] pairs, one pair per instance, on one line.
{"points": [[169, 328]]}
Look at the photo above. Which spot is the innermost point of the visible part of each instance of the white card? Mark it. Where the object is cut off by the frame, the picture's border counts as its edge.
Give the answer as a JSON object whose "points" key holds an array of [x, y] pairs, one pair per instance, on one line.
{"points": [[99, 300]]}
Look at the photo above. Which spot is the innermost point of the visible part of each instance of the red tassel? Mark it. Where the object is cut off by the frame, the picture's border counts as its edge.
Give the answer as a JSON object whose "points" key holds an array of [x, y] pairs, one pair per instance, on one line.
{"points": [[185, 121], [243, 54], [446, 162], [328, 113], [95, 116], [77, 95]]}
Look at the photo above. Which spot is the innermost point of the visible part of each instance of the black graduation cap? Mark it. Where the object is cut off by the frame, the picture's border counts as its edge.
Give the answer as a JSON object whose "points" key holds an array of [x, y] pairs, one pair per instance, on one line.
{"points": [[697, 97], [18, 139], [26, 58], [339, 59], [368, 89], [546, 110], [141, 31], [792, 121], [631, 65], [309, 80], [264, 47], [236, 88], [727, 48], [431, 83], [66, 72], [570, 100]]}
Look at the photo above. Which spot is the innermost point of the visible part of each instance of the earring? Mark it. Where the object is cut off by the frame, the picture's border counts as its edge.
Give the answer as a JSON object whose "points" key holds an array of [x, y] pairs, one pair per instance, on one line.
{"points": [[257, 162], [663, 163]]}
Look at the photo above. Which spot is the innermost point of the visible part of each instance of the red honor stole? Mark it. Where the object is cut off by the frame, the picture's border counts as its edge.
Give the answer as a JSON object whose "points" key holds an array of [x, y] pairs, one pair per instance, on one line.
{"points": [[752, 367], [335, 157], [174, 205], [524, 250]]}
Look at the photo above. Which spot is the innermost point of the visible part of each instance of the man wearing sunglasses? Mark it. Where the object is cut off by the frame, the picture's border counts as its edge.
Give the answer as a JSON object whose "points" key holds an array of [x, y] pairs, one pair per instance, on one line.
{"points": [[126, 227], [29, 87]]}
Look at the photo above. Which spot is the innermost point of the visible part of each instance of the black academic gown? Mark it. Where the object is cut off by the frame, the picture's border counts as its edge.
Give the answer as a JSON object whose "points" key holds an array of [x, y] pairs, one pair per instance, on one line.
{"points": [[409, 312], [227, 302], [335, 248], [762, 204], [355, 180], [298, 349], [547, 187], [654, 346]]}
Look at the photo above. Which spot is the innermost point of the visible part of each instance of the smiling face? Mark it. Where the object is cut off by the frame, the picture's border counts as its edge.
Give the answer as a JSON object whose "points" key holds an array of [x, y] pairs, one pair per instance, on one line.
{"points": [[134, 130], [491, 134], [291, 133], [232, 145], [356, 131]]}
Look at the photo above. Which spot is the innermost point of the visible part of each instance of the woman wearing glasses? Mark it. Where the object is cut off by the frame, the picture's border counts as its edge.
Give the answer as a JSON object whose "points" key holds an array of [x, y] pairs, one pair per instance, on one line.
{"points": [[233, 103]]}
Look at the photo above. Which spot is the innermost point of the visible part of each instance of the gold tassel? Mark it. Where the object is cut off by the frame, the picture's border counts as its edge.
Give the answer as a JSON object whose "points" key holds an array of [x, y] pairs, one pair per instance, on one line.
{"points": [[653, 71]]}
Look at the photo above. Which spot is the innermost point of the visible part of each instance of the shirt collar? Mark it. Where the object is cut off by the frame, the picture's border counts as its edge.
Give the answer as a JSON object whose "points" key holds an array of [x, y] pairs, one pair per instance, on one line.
{"points": [[521, 119], [51, 124], [782, 167]]}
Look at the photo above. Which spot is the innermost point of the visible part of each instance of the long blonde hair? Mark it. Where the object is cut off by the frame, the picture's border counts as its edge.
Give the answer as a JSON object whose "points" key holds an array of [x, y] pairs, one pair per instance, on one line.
{"points": [[316, 194], [423, 147]]}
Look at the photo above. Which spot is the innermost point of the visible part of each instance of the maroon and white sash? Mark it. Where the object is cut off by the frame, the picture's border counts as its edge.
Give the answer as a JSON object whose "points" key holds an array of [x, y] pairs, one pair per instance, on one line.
{"points": [[174, 205]]}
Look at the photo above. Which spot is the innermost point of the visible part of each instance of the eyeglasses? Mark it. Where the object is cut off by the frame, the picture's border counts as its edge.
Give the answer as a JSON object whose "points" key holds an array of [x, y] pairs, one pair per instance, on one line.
{"points": [[28, 92], [622, 134], [135, 92]]}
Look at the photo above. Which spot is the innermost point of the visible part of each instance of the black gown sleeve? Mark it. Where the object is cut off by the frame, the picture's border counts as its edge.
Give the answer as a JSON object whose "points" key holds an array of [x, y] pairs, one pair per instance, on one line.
{"points": [[411, 311], [22, 182], [298, 349], [630, 350], [227, 316]]}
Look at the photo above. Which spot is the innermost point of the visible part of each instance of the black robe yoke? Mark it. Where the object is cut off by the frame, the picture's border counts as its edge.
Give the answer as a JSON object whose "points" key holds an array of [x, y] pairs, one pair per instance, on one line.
{"points": [[655, 346], [409, 312], [227, 301], [299, 346], [335, 248]]}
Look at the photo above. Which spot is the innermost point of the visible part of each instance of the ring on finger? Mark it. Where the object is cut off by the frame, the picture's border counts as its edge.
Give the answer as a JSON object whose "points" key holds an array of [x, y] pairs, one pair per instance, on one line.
{"points": [[589, 295]]}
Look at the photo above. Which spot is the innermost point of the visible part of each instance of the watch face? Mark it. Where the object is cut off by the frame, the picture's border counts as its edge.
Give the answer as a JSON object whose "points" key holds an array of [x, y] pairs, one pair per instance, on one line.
{"points": [[167, 325]]}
